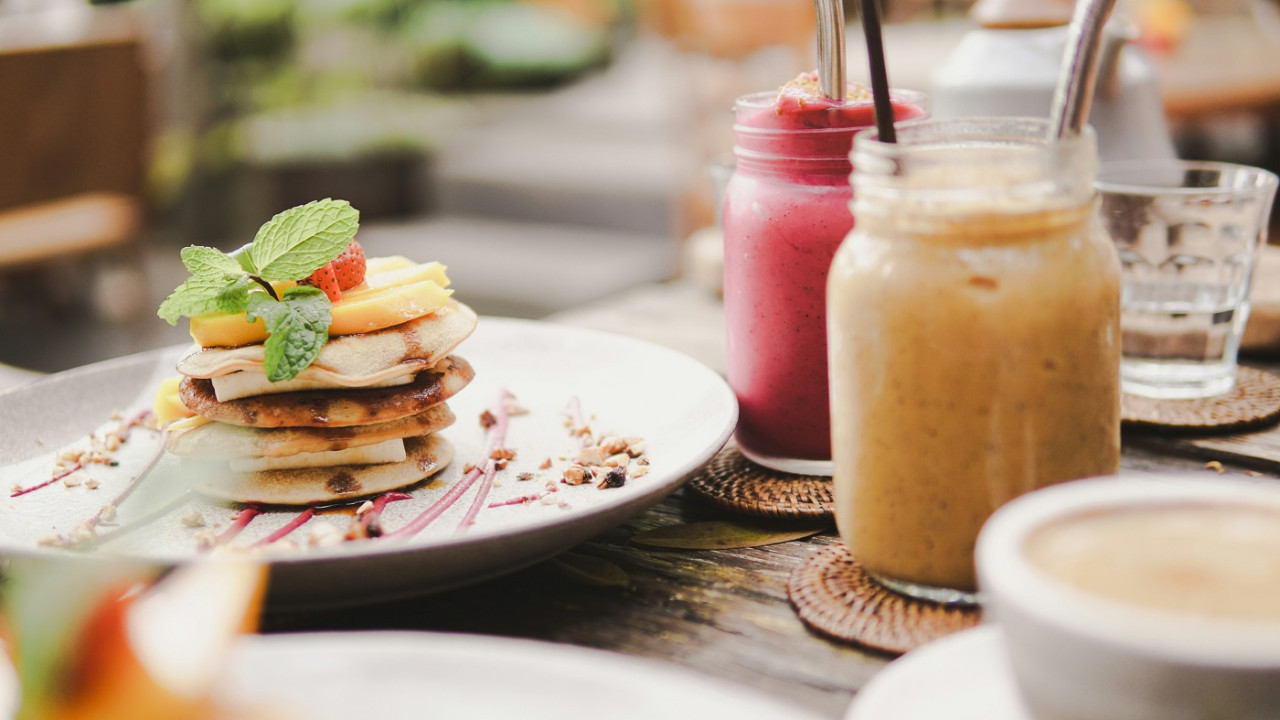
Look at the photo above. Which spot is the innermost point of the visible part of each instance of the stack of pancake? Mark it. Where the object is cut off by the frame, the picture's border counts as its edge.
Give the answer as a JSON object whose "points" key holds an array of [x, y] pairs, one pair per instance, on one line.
{"points": [[360, 420]]}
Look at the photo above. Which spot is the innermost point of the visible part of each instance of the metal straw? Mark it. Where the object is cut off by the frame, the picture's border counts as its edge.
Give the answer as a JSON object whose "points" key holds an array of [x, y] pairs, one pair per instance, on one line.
{"points": [[1079, 72], [831, 48]]}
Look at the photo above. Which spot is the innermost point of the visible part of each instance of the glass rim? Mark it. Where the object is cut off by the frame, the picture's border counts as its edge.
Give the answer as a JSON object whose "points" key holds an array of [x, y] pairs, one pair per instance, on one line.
{"points": [[767, 98], [924, 135], [1256, 179]]}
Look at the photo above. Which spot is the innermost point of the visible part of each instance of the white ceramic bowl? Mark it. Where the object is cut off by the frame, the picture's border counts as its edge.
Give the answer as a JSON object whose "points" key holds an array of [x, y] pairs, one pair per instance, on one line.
{"points": [[1079, 655]]}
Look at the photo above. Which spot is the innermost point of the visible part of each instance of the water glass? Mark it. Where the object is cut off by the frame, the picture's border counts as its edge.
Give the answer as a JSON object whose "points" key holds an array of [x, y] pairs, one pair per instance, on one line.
{"points": [[1188, 235]]}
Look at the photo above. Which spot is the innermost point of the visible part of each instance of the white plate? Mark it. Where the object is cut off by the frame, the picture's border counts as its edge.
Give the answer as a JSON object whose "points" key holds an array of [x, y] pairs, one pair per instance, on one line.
{"points": [[966, 676], [684, 411], [393, 675]]}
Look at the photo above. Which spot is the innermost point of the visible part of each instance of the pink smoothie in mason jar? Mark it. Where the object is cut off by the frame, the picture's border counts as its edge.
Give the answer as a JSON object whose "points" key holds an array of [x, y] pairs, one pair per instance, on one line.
{"points": [[786, 211]]}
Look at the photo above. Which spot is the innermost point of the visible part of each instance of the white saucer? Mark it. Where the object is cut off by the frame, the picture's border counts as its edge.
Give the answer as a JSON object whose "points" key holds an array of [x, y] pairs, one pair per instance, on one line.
{"points": [[411, 675], [966, 676]]}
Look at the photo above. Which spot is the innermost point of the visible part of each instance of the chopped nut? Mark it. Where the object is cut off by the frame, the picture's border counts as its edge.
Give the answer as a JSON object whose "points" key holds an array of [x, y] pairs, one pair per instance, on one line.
{"points": [[206, 540], [514, 408], [16, 489], [613, 444], [51, 541], [325, 535], [1215, 466], [82, 535], [358, 531], [468, 468], [113, 442], [500, 464], [487, 420], [637, 448], [615, 478], [643, 461], [503, 454], [545, 464], [365, 507], [525, 476], [107, 513], [639, 471], [576, 475], [193, 519], [92, 483], [591, 456], [620, 460], [548, 499], [73, 480]]}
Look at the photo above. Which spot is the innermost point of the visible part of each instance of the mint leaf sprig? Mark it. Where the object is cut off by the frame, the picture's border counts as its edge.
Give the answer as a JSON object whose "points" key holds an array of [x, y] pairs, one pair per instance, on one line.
{"points": [[290, 246]]}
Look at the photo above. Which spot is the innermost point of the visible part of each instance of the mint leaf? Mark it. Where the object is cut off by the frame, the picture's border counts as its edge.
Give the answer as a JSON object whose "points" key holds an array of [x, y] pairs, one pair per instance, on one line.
{"points": [[241, 254], [293, 244], [193, 297], [235, 298], [297, 327], [199, 295], [206, 262]]}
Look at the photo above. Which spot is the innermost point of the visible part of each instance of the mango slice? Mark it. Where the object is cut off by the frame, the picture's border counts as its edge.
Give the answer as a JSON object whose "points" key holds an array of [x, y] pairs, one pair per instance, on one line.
{"points": [[395, 290], [167, 404]]}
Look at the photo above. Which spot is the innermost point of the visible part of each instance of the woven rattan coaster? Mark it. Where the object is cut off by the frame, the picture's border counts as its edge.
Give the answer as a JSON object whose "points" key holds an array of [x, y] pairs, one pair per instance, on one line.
{"points": [[833, 595], [732, 482], [1254, 401]]}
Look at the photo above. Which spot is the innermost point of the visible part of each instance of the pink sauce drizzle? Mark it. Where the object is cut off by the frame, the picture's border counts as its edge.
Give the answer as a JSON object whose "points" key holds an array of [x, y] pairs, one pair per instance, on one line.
{"points": [[490, 468], [578, 422], [379, 504], [242, 521], [297, 522], [122, 431], [47, 483], [495, 436]]}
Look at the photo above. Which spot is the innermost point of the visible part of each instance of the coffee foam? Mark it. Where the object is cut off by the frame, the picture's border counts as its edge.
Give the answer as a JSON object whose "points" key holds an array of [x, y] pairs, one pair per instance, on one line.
{"points": [[1009, 571], [1206, 559]]}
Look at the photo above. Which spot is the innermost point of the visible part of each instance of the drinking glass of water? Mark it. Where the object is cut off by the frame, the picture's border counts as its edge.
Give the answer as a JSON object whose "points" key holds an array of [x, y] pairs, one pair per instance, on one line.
{"points": [[1188, 235]]}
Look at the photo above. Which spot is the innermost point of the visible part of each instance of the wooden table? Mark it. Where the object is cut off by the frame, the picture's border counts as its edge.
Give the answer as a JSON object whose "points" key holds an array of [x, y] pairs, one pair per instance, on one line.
{"points": [[718, 613]]}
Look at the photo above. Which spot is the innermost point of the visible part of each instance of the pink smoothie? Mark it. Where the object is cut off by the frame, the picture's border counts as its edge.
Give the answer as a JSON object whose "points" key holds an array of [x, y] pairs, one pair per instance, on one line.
{"points": [[786, 211]]}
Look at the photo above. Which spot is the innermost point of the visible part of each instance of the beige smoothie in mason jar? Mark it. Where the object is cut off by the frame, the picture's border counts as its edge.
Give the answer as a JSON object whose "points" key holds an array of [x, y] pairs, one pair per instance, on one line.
{"points": [[973, 330]]}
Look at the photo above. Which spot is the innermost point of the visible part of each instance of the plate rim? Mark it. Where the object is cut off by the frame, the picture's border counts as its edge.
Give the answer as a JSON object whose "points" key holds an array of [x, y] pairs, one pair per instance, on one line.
{"points": [[509, 647]]}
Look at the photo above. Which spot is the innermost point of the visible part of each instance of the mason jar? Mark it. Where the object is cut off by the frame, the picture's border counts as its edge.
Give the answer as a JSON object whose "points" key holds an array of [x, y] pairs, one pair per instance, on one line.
{"points": [[974, 336], [786, 210]]}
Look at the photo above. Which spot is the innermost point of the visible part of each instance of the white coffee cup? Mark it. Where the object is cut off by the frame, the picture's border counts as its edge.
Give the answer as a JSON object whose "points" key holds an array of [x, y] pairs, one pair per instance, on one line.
{"points": [[1069, 572]]}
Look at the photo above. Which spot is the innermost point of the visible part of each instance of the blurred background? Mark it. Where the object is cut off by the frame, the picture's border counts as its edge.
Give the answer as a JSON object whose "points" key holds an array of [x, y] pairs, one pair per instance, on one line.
{"points": [[553, 153]]}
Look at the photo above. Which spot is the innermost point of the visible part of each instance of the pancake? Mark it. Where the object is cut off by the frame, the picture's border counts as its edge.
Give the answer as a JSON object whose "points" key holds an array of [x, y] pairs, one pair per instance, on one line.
{"points": [[354, 360], [314, 486], [332, 408], [220, 440]]}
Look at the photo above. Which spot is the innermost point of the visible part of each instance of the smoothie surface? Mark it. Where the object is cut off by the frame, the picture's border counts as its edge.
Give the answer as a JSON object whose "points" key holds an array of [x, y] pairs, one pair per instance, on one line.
{"points": [[800, 105]]}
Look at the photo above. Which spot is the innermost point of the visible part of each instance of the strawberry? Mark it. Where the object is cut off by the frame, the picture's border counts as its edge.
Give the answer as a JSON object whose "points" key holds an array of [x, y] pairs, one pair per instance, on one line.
{"points": [[325, 279], [349, 266], [343, 273]]}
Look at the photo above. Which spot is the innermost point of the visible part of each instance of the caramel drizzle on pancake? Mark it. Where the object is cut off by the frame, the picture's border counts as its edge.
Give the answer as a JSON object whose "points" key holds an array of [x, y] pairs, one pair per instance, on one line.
{"points": [[331, 408], [220, 440], [315, 486]]}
